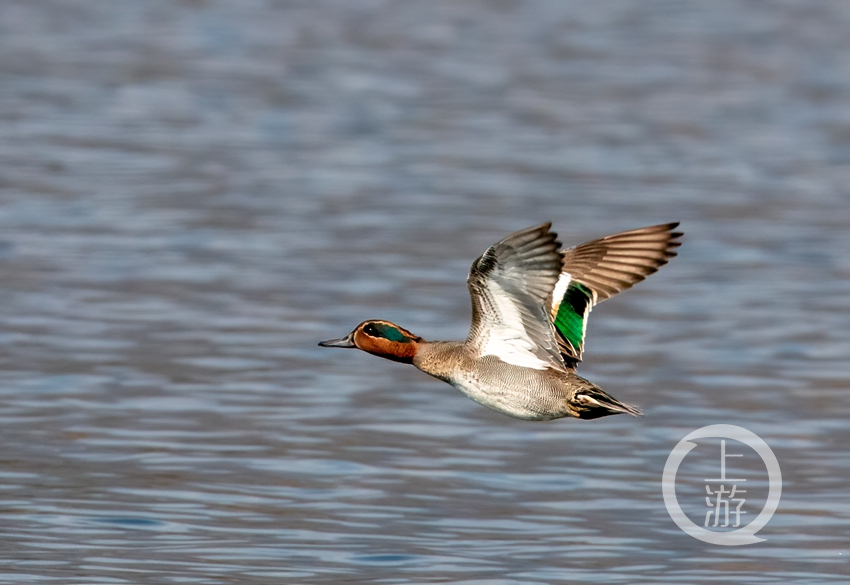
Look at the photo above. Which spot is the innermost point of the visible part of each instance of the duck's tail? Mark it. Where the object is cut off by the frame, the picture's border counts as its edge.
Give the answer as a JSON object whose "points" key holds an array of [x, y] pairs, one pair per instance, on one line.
{"points": [[593, 402]]}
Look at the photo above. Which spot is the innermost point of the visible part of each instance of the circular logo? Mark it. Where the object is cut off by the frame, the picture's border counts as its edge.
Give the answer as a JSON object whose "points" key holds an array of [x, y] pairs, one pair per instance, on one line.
{"points": [[746, 534]]}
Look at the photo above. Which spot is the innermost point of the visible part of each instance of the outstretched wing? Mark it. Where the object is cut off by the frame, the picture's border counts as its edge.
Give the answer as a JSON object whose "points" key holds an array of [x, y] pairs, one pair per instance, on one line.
{"points": [[597, 270], [511, 286]]}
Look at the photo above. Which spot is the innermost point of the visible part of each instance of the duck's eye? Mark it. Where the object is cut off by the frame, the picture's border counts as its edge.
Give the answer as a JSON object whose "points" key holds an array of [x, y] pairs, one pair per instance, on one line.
{"points": [[371, 330]]}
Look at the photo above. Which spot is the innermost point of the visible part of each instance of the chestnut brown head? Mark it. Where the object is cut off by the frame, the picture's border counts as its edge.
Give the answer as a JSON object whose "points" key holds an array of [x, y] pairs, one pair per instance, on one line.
{"points": [[380, 338]]}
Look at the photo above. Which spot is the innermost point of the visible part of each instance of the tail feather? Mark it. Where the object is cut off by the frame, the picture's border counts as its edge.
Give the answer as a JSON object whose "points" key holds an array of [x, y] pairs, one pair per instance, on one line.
{"points": [[594, 402]]}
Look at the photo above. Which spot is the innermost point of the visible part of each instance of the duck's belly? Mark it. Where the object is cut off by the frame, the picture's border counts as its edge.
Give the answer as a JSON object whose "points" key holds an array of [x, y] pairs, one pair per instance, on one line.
{"points": [[524, 395]]}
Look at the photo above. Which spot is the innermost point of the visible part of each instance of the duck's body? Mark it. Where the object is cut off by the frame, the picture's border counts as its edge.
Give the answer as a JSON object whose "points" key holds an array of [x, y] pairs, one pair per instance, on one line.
{"points": [[530, 303], [517, 391]]}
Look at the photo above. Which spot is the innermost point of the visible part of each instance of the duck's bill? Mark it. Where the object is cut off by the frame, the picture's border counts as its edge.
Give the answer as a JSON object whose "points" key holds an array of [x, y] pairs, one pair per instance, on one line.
{"points": [[342, 342]]}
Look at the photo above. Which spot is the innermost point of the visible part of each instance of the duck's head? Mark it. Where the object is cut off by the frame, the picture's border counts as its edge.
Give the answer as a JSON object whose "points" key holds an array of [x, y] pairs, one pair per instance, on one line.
{"points": [[380, 338]]}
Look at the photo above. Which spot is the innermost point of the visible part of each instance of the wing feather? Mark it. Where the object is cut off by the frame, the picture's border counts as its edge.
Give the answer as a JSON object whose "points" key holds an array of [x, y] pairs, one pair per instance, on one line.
{"points": [[597, 270], [511, 287]]}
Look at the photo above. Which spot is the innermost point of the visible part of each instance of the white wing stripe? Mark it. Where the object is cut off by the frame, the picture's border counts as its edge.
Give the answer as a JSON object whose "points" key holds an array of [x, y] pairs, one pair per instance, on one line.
{"points": [[560, 290]]}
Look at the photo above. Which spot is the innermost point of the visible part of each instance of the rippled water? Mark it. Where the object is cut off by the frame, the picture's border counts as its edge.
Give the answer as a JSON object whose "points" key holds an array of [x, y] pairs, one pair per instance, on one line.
{"points": [[193, 193]]}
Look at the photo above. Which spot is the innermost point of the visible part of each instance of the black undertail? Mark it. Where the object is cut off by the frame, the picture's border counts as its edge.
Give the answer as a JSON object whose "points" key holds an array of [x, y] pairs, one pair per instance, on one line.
{"points": [[594, 402]]}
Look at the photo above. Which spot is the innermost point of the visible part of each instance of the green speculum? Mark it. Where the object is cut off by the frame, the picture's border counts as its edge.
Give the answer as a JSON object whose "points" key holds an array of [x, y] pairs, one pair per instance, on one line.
{"points": [[570, 318]]}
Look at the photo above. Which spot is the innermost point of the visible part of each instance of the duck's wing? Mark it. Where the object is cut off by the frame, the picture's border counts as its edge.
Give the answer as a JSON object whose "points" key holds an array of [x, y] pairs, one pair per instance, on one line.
{"points": [[511, 286], [597, 270]]}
